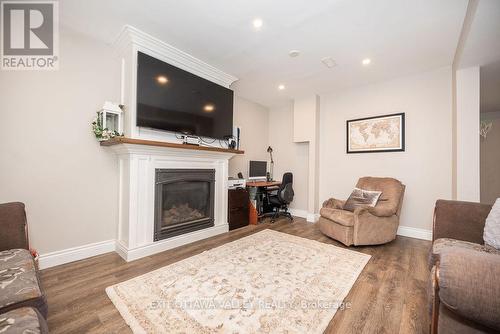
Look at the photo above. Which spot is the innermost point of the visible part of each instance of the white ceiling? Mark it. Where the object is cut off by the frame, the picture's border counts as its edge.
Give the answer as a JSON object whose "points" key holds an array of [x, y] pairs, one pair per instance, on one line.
{"points": [[482, 48], [400, 36]]}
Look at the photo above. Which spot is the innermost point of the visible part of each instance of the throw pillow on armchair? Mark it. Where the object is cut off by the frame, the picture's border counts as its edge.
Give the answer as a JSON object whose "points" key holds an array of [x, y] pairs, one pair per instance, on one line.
{"points": [[361, 198]]}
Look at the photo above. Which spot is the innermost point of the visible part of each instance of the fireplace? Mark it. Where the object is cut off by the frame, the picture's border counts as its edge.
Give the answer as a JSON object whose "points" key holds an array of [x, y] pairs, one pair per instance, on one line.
{"points": [[184, 201]]}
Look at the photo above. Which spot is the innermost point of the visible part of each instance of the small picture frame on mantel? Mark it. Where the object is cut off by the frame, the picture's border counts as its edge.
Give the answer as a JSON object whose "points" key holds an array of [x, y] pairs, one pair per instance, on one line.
{"points": [[384, 133]]}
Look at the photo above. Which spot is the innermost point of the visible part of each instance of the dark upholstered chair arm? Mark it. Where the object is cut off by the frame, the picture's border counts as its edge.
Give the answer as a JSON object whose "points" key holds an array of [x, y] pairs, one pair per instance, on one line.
{"points": [[460, 220], [333, 203], [13, 226], [469, 285]]}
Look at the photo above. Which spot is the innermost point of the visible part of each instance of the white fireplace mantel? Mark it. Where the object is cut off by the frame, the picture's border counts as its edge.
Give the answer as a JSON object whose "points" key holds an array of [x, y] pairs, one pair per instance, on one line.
{"points": [[137, 165], [143, 150]]}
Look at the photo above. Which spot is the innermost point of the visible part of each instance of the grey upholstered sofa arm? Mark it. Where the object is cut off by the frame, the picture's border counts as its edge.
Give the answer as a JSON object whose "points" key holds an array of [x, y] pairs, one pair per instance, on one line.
{"points": [[460, 220], [334, 203], [469, 285]]}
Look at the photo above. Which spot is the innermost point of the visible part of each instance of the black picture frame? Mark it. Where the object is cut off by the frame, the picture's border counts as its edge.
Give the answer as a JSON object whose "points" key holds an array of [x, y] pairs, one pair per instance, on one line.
{"points": [[402, 134]]}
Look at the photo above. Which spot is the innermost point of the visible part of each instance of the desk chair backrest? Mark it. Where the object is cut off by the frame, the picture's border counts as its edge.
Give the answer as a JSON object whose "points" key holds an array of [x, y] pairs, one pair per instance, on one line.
{"points": [[285, 191]]}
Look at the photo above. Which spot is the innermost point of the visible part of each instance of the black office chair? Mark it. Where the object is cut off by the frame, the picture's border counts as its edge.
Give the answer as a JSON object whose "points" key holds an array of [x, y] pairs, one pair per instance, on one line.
{"points": [[282, 198]]}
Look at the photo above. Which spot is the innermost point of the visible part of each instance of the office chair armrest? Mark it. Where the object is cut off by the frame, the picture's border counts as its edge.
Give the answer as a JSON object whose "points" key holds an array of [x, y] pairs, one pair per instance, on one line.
{"points": [[333, 203], [273, 190]]}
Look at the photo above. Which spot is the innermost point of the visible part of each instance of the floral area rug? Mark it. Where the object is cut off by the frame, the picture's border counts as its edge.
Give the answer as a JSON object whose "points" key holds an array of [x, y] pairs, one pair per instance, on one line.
{"points": [[268, 282]]}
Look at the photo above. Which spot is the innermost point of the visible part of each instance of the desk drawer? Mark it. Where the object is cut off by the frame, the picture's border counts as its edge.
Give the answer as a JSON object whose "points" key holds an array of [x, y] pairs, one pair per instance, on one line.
{"points": [[238, 208], [238, 198], [238, 218]]}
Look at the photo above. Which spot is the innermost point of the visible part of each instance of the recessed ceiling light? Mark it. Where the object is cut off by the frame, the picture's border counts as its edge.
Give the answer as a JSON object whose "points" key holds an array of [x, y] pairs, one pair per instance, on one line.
{"points": [[294, 53], [281, 87], [366, 61], [209, 107], [257, 23], [161, 79]]}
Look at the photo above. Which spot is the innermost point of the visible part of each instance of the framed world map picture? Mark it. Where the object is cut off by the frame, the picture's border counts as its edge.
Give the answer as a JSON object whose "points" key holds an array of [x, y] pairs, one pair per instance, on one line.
{"points": [[376, 134]]}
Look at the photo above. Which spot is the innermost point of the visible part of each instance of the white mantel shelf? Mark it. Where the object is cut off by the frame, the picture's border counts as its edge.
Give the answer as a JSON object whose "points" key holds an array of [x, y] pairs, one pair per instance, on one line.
{"points": [[138, 160], [125, 140]]}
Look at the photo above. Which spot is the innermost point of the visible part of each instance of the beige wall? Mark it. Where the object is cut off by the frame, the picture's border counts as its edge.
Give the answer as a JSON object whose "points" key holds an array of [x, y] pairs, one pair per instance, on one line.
{"points": [[467, 118], [490, 164], [50, 160], [306, 129], [252, 118], [304, 118], [289, 156], [425, 166], [262, 127]]}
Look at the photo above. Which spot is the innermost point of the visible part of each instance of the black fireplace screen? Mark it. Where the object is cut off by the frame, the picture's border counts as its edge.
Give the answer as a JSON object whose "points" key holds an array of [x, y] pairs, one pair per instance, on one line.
{"points": [[184, 201]]}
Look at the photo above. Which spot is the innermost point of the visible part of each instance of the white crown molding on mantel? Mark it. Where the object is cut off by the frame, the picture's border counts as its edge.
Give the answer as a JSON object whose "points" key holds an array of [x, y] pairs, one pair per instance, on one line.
{"points": [[153, 46], [129, 43]]}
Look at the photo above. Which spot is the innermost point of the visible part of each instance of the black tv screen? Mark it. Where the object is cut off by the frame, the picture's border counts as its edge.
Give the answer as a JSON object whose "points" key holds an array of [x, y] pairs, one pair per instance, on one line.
{"points": [[172, 99]]}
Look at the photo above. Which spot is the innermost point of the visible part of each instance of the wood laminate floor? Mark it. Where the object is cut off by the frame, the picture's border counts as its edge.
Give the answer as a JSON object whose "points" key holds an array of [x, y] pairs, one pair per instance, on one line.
{"points": [[390, 295]]}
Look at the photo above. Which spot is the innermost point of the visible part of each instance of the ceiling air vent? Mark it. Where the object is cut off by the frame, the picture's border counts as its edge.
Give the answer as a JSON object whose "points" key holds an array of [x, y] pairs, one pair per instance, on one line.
{"points": [[329, 62]]}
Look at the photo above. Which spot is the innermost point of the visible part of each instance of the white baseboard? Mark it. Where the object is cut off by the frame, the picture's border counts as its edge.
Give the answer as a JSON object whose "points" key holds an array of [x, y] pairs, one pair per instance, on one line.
{"points": [[76, 253], [298, 213], [160, 246], [413, 232], [404, 231], [310, 217], [68, 255], [64, 256]]}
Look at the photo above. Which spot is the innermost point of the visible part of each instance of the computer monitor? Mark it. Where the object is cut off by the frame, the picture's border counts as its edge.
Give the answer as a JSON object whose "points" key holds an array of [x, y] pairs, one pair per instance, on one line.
{"points": [[257, 170]]}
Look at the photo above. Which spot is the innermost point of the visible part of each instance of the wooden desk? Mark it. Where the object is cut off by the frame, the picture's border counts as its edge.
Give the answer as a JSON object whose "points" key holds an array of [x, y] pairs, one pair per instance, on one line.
{"points": [[263, 184], [259, 192]]}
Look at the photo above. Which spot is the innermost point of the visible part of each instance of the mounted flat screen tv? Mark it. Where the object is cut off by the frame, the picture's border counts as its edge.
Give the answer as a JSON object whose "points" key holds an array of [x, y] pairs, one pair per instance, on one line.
{"points": [[172, 99]]}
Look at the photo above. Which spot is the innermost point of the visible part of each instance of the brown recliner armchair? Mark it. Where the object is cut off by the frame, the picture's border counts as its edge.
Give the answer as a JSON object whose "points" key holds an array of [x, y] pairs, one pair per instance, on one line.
{"points": [[367, 225], [465, 292]]}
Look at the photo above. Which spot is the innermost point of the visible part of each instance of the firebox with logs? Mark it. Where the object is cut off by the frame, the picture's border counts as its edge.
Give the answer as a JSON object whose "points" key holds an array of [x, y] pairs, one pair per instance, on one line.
{"points": [[184, 201]]}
